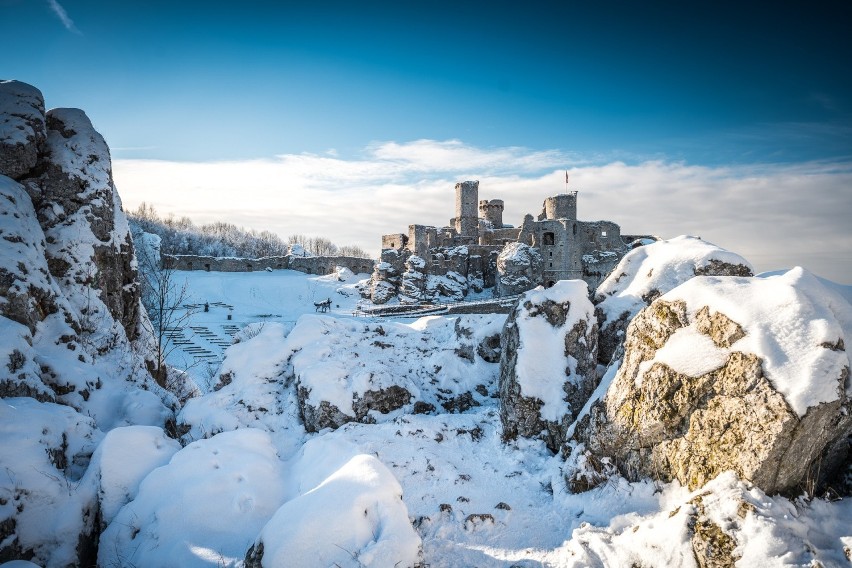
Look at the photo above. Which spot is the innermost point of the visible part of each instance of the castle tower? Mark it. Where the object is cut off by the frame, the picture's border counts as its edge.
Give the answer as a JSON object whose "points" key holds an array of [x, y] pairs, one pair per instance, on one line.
{"points": [[492, 211], [466, 221], [563, 206]]}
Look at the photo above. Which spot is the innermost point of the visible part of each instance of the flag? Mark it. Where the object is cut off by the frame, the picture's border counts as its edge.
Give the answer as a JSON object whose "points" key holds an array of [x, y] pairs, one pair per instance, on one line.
{"points": [[566, 177]]}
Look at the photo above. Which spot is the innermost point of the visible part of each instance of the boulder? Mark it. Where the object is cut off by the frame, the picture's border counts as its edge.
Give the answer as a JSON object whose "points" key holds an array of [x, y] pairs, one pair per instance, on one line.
{"points": [[518, 269], [649, 271], [22, 128], [730, 373], [548, 362]]}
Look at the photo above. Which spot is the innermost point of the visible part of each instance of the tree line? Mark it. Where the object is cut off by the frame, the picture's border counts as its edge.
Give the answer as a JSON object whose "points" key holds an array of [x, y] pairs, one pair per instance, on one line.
{"points": [[179, 235]]}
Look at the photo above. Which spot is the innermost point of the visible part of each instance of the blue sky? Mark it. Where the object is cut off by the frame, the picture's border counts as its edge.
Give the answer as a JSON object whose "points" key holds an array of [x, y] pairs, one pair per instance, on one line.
{"points": [[310, 92], [706, 82]]}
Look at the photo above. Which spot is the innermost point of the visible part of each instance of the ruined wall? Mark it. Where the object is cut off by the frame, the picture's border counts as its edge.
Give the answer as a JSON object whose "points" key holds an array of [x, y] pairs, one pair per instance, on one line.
{"points": [[421, 238], [307, 264], [466, 221], [562, 206], [394, 241], [492, 211]]}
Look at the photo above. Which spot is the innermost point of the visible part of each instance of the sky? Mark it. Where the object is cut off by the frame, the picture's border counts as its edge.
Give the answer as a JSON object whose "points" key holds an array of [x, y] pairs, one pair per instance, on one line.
{"points": [[730, 120]]}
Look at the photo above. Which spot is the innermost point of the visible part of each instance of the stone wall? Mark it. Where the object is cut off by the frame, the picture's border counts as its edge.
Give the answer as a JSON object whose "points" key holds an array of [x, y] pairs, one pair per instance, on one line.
{"points": [[306, 264]]}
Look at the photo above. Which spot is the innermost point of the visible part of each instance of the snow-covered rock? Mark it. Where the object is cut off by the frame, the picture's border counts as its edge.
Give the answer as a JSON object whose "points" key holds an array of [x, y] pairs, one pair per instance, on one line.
{"points": [[549, 360], [205, 507], [649, 271], [346, 370], [353, 517], [48, 500], [727, 522], [518, 269], [413, 281], [253, 389], [88, 238], [123, 459], [387, 275], [22, 131], [730, 373]]}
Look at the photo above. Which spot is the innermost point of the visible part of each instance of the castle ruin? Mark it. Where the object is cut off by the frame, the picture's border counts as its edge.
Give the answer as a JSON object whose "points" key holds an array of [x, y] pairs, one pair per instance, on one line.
{"points": [[477, 250]]}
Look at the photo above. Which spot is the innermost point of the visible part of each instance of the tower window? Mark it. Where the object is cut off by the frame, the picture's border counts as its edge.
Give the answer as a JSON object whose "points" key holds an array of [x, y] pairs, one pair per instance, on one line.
{"points": [[547, 239]]}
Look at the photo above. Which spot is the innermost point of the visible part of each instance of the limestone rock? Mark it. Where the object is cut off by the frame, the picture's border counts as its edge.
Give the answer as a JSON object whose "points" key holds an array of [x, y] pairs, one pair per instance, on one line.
{"points": [[413, 281], [518, 269], [22, 128], [386, 278], [548, 362], [88, 238], [742, 374], [649, 271]]}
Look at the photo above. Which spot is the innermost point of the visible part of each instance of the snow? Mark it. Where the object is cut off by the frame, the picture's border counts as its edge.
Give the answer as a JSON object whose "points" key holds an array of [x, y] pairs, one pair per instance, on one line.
{"points": [[542, 345], [789, 320], [338, 360], [353, 517], [21, 105], [659, 266], [124, 457], [205, 507], [688, 352], [45, 492]]}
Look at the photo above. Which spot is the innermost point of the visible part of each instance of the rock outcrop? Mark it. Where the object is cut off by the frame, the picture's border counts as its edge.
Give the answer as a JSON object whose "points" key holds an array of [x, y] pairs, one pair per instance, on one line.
{"points": [[348, 371], [518, 269], [742, 374], [74, 194], [72, 360], [22, 128], [548, 363], [649, 271]]}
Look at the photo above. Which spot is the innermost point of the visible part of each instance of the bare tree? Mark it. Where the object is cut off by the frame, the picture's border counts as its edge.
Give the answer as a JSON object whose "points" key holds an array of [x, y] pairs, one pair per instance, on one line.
{"points": [[165, 300], [353, 250]]}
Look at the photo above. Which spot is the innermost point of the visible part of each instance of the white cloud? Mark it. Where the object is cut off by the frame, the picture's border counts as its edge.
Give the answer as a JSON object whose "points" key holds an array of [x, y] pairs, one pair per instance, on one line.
{"points": [[63, 16], [775, 215]]}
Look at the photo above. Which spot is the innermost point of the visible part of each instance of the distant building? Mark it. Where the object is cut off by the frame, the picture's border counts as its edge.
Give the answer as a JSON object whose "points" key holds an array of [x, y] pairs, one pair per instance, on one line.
{"points": [[451, 260]]}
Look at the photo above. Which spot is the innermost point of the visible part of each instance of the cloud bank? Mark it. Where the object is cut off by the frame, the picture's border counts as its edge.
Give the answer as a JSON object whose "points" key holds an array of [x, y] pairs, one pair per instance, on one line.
{"points": [[777, 216]]}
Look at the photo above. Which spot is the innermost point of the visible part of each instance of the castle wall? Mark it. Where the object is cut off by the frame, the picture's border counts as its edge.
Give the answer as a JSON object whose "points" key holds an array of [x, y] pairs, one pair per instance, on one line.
{"points": [[421, 238], [394, 241], [562, 206], [307, 264], [492, 211], [560, 251]]}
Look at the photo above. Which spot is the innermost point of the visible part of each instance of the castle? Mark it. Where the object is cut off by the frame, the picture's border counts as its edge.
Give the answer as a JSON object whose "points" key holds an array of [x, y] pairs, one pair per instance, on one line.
{"points": [[477, 250]]}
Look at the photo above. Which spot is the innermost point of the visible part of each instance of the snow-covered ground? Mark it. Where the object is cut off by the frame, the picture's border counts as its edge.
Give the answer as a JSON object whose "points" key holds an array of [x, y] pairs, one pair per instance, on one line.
{"points": [[236, 299], [254, 475]]}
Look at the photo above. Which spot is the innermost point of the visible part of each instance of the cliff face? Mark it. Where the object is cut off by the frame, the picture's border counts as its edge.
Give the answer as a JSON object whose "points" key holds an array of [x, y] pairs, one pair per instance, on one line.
{"points": [[73, 350]]}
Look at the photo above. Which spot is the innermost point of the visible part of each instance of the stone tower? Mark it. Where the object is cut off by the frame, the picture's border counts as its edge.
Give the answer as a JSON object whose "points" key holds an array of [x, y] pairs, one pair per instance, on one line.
{"points": [[466, 221], [563, 206], [492, 211]]}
